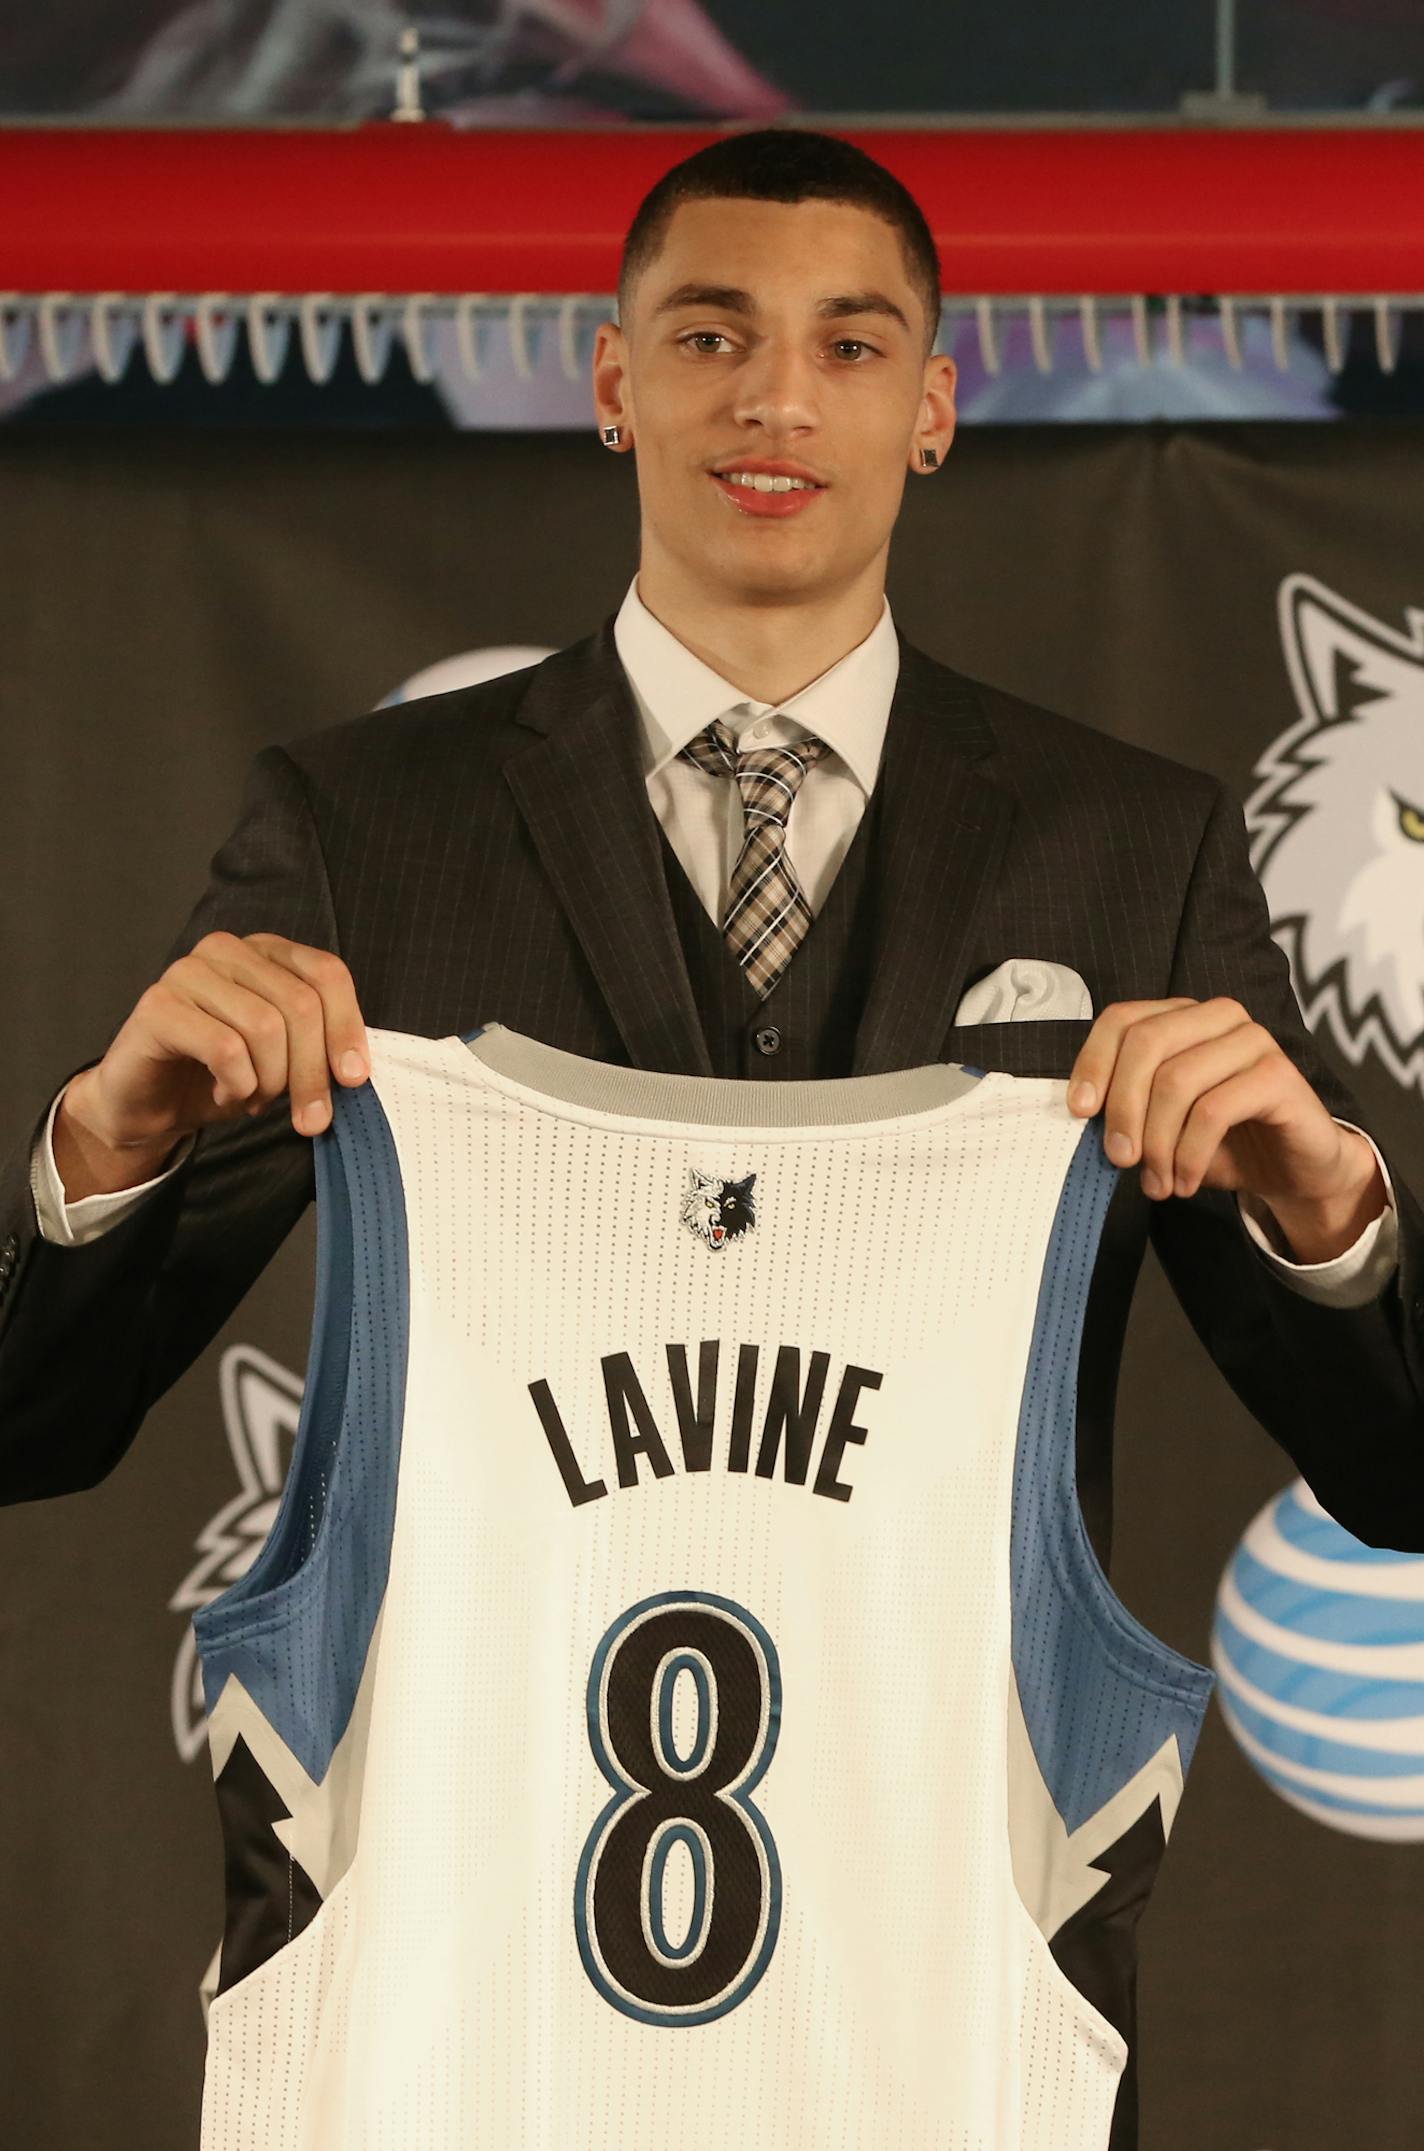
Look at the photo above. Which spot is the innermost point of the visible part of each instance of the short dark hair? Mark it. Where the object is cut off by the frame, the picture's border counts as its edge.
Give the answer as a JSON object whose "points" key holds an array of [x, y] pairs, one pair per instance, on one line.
{"points": [[785, 164]]}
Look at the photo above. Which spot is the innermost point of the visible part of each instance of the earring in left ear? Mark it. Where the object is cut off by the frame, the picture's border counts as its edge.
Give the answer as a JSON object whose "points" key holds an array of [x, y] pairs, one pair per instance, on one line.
{"points": [[929, 458]]}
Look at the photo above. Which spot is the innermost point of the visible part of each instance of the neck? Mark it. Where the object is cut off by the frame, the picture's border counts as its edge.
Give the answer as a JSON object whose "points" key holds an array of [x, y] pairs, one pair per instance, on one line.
{"points": [[767, 648]]}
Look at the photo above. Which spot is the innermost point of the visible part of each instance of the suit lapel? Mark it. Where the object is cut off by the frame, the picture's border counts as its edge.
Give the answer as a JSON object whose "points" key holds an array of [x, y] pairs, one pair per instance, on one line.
{"points": [[584, 798], [581, 790], [941, 842]]}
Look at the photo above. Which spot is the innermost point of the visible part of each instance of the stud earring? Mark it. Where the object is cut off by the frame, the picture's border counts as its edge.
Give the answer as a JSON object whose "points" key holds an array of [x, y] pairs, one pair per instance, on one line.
{"points": [[929, 459], [612, 435]]}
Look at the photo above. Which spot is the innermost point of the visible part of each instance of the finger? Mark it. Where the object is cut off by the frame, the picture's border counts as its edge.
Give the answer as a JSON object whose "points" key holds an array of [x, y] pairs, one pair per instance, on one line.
{"points": [[187, 1030], [1092, 1071], [346, 1046], [1179, 1122], [1243, 1096], [1144, 1049], [254, 1020], [308, 1077], [291, 1035]]}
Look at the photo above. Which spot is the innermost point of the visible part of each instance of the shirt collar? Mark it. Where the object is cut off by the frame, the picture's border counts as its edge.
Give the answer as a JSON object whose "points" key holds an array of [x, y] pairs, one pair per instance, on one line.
{"points": [[848, 706]]}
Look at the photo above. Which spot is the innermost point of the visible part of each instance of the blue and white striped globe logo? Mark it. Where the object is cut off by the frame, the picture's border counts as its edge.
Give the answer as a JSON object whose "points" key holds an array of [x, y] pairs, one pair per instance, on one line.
{"points": [[1318, 1645]]}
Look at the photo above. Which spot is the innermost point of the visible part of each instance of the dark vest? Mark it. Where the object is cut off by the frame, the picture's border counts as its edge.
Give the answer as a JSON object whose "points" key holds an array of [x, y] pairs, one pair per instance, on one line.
{"points": [[806, 1025]]}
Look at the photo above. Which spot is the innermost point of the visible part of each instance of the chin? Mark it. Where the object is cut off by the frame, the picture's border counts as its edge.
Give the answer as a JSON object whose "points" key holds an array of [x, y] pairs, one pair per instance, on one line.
{"points": [[777, 577]]}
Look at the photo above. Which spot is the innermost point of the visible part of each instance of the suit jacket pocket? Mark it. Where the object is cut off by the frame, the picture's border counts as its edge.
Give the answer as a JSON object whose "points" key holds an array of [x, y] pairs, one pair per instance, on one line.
{"points": [[1034, 1046]]}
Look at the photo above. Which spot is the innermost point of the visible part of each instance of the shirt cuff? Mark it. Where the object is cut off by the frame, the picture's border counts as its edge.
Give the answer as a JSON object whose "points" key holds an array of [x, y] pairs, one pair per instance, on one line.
{"points": [[71, 1224], [1350, 1279]]}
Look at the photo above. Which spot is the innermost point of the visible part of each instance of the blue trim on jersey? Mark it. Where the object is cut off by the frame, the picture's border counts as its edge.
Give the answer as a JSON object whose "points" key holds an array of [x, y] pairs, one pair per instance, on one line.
{"points": [[1100, 1692], [295, 1628]]}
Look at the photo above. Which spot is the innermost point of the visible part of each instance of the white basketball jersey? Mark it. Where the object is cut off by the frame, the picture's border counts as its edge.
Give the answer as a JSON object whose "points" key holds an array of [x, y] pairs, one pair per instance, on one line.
{"points": [[678, 1704]]}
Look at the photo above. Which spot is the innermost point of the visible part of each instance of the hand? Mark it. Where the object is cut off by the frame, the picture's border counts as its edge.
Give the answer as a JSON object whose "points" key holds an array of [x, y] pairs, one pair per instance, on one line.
{"points": [[229, 1027], [1205, 1097]]}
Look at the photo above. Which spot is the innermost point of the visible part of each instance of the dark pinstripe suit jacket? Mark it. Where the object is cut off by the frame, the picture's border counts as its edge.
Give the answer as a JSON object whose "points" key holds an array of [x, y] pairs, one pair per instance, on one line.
{"points": [[491, 854]]}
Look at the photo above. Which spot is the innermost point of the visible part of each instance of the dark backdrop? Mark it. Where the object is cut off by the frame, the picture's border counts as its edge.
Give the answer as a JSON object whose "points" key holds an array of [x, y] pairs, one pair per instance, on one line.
{"points": [[172, 601]]}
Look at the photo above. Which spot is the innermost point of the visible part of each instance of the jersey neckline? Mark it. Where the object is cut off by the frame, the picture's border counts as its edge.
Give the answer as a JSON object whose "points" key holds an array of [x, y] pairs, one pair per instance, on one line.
{"points": [[645, 1100]]}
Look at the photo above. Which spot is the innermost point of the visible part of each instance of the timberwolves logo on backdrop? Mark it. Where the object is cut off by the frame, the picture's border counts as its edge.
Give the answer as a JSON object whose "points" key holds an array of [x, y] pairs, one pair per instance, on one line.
{"points": [[717, 1210], [1337, 826], [261, 1407], [1318, 1645]]}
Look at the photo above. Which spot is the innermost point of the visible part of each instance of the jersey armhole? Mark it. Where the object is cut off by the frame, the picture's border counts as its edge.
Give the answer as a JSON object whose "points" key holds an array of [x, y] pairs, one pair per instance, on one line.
{"points": [[335, 1517], [1079, 1652], [1103, 1716]]}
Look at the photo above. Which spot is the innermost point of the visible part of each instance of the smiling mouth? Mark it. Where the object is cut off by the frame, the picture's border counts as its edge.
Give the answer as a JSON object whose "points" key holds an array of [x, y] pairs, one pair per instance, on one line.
{"points": [[769, 503], [765, 482]]}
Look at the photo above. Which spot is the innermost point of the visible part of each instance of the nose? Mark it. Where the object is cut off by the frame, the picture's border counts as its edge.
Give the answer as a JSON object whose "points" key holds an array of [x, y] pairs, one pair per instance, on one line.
{"points": [[777, 390]]}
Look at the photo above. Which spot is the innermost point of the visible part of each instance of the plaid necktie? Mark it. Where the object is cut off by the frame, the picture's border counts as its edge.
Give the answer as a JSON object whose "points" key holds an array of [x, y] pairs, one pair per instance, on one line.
{"points": [[767, 916]]}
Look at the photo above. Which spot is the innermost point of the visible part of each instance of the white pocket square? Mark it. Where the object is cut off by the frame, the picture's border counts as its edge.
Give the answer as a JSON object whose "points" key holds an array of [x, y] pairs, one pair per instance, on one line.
{"points": [[1025, 987]]}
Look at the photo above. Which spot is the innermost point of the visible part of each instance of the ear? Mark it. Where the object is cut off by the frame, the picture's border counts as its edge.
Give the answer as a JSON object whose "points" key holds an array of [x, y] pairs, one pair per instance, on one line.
{"points": [[696, 1180]]}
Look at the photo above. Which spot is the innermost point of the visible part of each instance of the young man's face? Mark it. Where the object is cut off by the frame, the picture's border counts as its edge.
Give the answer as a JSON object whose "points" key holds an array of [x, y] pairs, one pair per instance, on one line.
{"points": [[702, 383]]}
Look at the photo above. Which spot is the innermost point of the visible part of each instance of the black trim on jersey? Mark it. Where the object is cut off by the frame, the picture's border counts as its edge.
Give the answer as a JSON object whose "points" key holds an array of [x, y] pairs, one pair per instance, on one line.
{"points": [[270, 1897], [1097, 1949]]}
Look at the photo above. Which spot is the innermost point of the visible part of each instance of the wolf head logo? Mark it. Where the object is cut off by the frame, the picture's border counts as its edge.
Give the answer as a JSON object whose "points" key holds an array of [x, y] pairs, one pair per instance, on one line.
{"points": [[717, 1210], [1337, 825]]}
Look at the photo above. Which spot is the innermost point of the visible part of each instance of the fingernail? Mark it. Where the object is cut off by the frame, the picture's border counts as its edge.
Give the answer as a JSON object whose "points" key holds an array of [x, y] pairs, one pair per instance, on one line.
{"points": [[1151, 1185], [1119, 1147], [1082, 1097], [312, 1116], [353, 1067]]}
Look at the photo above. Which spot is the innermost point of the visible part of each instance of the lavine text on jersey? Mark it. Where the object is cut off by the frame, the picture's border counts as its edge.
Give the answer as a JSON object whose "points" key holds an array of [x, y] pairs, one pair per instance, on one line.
{"points": [[786, 1436]]}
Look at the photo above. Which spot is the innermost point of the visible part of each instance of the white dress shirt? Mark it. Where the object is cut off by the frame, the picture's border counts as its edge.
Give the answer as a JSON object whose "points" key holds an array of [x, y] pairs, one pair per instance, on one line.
{"points": [[848, 706]]}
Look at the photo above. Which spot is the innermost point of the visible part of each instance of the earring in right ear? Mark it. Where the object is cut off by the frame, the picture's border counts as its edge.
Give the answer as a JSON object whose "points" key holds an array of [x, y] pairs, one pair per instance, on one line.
{"points": [[612, 435]]}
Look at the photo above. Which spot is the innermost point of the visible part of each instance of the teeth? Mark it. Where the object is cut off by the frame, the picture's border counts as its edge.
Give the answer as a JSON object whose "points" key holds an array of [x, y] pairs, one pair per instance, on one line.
{"points": [[763, 482]]}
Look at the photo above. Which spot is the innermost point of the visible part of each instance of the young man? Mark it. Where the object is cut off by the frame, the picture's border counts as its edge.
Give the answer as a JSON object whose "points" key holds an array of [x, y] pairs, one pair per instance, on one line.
{"points": [[745, 830]]}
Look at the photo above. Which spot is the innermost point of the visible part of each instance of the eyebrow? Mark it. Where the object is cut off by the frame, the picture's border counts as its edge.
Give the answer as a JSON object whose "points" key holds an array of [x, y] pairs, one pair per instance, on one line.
{"points": [[731, 299]]}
